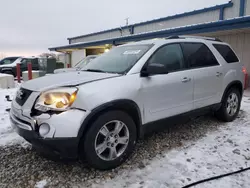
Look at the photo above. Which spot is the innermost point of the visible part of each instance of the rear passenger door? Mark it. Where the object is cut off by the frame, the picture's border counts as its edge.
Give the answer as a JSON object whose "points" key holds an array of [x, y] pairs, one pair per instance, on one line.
{"points": [[207, 72]]}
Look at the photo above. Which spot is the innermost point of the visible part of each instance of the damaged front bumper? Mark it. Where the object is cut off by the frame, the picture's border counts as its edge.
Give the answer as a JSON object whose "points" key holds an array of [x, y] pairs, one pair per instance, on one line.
{"points": [[55, 134], [53, 147]]}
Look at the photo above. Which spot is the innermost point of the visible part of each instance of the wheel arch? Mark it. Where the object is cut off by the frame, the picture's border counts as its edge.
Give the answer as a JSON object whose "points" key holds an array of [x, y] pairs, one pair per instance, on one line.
{"points": [[126, 105], [236, 84]]}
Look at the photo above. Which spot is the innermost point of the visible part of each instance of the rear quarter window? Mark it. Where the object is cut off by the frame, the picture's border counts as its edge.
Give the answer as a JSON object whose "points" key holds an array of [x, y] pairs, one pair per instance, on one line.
{"points": [[227, 53]]}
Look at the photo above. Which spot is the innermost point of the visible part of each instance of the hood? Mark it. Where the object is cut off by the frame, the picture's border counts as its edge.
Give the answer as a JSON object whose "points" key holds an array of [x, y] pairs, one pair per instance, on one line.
{"points": [[8, 65], [64, 70], [65, 79], [12, 64]]}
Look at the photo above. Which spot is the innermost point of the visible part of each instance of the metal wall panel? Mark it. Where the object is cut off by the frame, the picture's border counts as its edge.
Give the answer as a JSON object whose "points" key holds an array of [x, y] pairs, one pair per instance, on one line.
{"points": [[77, 56], [241, 44], [234, 11], [247, 7], [214, 15], [184, 21], [102, 36]]}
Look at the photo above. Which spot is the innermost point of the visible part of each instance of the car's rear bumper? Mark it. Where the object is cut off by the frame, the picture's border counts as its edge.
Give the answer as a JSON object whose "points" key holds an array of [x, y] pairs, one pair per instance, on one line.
{"points": [[56, 147]]}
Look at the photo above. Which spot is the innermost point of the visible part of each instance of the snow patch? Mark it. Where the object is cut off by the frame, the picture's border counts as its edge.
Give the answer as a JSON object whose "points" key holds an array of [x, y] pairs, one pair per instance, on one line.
{"points": [[224, 150], [7, 134], [41, 184]]}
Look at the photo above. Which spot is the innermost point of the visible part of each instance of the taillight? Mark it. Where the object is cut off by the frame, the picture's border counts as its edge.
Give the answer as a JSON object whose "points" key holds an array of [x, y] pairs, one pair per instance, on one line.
{"points": [[244, 70]]}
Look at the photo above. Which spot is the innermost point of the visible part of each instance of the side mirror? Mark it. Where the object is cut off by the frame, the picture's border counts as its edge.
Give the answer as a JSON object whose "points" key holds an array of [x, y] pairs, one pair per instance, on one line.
{"points": [[153, 69]]}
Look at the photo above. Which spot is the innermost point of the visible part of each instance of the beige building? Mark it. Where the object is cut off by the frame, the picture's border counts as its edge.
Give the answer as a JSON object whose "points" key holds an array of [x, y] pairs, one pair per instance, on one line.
{"points": [[229, 22]]}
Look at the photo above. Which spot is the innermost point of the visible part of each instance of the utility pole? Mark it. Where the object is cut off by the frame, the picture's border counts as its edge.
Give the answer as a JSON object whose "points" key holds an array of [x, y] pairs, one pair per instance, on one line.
{"points": [[127, 21]]}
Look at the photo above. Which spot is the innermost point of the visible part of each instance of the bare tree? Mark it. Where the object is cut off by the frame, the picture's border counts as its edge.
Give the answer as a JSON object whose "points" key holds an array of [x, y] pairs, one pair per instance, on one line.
{"points": [[48, 55], [2, 55]]}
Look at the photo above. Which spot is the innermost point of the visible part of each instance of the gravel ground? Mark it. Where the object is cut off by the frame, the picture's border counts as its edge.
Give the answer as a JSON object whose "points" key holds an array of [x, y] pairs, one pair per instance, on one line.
{"points": [[24, 167]]}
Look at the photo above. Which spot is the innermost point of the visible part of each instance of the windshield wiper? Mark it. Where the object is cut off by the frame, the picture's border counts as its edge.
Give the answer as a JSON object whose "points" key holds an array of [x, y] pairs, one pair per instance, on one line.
{"points": [[93, 70]]}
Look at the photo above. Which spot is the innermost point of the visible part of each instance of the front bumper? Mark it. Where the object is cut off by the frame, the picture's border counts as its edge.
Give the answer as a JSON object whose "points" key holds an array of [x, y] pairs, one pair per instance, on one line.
{"points": [[62, 139], [53, 147]]}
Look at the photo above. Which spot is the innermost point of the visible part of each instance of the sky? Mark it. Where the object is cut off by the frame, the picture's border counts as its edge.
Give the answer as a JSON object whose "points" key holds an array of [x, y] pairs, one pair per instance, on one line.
{"points": [[30, 27]]}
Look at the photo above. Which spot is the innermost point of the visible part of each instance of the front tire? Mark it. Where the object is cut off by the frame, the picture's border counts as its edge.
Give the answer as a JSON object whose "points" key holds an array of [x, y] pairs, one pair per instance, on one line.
{"points": [[230, 107], [109, 141]]}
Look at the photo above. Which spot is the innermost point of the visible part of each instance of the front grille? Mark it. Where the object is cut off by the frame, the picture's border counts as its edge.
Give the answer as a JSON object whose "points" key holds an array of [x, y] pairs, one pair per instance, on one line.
{"points": [[22, 121], [15, 121], [22, 96]]}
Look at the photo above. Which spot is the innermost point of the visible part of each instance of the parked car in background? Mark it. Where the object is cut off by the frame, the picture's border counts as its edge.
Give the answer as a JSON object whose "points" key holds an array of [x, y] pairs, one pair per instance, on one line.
{"points": [[9, 64], [78, 66], [99, 113], [23, 61], [8, 61]]}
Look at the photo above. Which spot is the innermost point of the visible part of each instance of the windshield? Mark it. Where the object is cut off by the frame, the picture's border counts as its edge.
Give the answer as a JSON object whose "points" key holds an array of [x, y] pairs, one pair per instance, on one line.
{"points": [[84, 62], [7, 61], [118, 60]]}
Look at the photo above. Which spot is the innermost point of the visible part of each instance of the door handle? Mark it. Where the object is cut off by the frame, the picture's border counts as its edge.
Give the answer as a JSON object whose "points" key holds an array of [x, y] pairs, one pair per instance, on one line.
{"points": [[185, 79], [218, 74]]}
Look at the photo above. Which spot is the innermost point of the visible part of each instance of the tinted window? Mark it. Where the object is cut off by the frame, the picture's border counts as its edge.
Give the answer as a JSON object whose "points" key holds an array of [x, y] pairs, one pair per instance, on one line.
{"points": [[24, 62], [34, 62], [170, 56], [227, 53], [198, 55], [27, 60]]}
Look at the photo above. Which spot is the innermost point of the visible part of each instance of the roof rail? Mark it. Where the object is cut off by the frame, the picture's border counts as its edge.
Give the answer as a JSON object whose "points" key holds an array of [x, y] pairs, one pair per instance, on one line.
{"points": [[190, 36]]}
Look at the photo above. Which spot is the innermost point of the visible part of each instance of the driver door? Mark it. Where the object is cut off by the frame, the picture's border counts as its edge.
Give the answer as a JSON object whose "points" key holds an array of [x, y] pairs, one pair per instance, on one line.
{"points": [[166, 95]]}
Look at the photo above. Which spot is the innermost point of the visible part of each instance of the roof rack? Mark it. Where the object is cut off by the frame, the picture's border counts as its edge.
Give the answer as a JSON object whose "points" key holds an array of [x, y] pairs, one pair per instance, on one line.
{"points": [[196, 37]]}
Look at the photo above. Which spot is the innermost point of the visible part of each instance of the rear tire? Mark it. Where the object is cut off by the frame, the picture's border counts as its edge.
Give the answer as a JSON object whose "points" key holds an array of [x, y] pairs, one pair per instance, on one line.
{"points": [[109, 141], [230, 106]]}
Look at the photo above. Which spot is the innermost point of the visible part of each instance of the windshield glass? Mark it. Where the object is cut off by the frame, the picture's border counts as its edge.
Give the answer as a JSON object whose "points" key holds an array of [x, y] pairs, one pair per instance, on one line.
{"points": [[118, 60], [84, 62], [7, 61]]}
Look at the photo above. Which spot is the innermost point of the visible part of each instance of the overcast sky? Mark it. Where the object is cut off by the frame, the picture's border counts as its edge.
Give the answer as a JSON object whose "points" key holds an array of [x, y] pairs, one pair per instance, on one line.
{"points": [[29, 27]]}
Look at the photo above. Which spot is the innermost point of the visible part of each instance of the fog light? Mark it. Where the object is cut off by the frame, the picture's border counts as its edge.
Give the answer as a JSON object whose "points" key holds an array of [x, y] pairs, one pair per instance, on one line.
{"points": [[44, 129]]}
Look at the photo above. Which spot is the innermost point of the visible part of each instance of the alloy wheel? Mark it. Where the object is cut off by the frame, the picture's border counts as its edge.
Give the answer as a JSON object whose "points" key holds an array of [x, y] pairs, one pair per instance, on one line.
{"points": [[232, 104], [112, 140]]}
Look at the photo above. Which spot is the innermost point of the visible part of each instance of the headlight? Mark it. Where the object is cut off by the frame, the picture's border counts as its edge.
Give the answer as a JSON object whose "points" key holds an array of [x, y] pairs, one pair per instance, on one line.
{"points": [[57, 99]]}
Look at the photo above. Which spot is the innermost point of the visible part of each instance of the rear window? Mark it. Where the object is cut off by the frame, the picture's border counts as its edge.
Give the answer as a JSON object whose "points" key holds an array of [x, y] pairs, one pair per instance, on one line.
{"points": [[227, 53]]}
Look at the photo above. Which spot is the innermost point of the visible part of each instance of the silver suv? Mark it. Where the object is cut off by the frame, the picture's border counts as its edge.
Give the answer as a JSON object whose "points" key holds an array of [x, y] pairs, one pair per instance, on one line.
{"points": [[100, 112]]}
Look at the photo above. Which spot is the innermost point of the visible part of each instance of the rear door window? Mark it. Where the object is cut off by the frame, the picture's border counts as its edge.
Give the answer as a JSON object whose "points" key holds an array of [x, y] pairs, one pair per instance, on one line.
{"points": [[227, 53], [24, 62], [198, 55]]}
